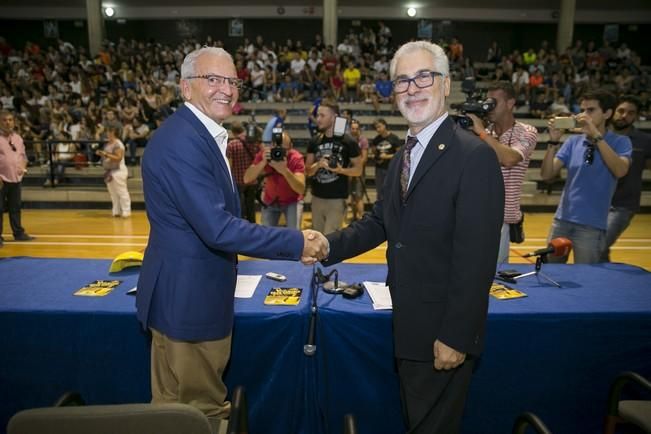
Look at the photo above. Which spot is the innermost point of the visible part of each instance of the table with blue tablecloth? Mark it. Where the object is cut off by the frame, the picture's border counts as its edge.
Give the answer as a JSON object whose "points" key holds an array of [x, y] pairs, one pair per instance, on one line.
{"points": [[553, 352]]}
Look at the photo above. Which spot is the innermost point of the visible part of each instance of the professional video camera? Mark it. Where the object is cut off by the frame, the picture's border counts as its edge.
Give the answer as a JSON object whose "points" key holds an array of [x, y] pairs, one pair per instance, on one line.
{"points": [[277, 152], [473, 104]]}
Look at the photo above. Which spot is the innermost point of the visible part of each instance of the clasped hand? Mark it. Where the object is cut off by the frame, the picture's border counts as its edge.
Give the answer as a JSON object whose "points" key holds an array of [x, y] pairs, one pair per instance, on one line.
{"points": [[446, 357], [315, 247]]}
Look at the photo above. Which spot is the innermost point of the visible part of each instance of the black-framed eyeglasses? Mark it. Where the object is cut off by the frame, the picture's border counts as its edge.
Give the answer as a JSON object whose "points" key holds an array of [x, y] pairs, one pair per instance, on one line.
{"points": [[588, 154], [215, 80], [422, 80]]}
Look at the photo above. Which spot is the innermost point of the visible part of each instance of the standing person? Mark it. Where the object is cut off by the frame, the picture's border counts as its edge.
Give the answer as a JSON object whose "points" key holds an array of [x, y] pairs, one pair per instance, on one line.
{"points": [[626, 200], [188, 275], [116, 172], [330, 162], [276, 120], [240, 151], [13, 166], [358, 183], [284, 183], [441, 218], [594, 159], [384, 146], [513, 143]]}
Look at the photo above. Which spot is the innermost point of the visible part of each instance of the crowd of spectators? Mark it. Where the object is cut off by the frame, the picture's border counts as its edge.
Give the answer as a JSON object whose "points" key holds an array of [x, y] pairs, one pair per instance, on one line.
{"points": [[61, 92], [551, 83]]}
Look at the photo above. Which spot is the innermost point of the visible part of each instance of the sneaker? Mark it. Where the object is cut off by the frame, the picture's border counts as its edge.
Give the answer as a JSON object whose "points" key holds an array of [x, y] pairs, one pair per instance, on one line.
{"points": [[24, 237]]}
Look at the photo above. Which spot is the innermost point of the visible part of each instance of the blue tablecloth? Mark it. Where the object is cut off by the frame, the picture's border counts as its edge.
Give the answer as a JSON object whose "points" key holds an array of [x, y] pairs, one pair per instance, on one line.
{"points": [[554, 352], [53, 341]]}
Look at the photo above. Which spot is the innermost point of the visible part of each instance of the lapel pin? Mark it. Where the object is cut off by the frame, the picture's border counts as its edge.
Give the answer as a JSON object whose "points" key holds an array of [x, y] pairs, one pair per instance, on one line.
{"points": [[441, 147]]}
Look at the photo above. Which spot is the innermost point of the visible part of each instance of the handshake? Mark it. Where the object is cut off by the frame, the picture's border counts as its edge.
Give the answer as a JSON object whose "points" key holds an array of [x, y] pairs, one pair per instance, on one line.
{"points": [[315, 247]]}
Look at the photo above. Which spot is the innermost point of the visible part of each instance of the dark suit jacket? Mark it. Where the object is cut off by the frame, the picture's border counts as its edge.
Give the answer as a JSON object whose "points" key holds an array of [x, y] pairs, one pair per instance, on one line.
{"points": [[442, 244], [188, 275]]}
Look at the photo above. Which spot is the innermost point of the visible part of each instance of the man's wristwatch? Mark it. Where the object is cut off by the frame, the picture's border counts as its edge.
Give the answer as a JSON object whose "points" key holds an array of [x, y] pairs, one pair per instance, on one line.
{"points": [[597, 139]]}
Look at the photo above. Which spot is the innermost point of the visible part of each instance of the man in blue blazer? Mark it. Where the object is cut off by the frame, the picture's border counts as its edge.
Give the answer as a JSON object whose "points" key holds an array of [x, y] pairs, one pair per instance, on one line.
{"points": [[187, 282], [441, 217]]}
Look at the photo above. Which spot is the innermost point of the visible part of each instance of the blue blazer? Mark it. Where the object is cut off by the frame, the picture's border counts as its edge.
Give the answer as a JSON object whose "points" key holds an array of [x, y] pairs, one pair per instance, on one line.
{"points": [[187, 281], [441, 244]]}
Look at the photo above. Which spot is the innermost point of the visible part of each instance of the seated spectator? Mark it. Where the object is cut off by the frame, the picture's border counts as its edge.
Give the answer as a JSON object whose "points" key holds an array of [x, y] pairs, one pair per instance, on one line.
{"points": [[336, 83], [367, 89], [135, 135], [383, 91], [352, 79], [558, 108], [520, 82], [258, 83], [289, 90], [62, 156]]}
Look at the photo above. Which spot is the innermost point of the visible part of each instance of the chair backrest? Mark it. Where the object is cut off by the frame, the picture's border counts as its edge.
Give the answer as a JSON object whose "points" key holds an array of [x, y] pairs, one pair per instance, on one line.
{"points": [[111, 419], [527, 419]]}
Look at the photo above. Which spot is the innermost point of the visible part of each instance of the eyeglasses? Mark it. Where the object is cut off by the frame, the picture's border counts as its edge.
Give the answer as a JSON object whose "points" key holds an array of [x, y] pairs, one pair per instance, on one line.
{"points": [[588, 155], [215, 80], [421, 80]]}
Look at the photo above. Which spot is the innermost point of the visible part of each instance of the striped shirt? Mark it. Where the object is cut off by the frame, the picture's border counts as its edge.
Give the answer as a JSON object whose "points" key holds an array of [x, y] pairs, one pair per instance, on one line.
{"points": [[521, 138]]}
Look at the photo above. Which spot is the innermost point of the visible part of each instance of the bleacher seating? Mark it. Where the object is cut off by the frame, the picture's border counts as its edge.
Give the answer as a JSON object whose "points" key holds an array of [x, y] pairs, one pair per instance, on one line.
{"points": [[85, 187]]}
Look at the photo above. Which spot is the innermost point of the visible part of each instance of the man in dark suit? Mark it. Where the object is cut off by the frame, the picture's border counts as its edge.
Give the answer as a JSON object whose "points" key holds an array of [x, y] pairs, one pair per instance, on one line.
{"points": [[441, 216], [188, 276]]}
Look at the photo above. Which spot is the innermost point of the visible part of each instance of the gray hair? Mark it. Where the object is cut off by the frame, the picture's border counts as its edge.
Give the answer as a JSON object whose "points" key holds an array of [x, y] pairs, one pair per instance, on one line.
{"points": [[187, 68], [439, 58]]}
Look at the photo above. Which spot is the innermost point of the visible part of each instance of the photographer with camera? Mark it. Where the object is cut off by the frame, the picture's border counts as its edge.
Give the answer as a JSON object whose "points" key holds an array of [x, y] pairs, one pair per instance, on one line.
{"points": [[513, 143], [284, 184], [595, 159], [332, 157]]}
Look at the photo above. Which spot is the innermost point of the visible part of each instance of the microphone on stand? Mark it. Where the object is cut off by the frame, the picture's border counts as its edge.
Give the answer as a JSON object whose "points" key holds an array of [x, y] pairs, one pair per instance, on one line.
{"points": [[309, 349], [557, 247]]}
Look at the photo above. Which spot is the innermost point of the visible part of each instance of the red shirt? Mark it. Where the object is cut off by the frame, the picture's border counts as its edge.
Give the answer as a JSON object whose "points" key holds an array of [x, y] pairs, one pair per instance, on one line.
{"points": [[276, 187]]}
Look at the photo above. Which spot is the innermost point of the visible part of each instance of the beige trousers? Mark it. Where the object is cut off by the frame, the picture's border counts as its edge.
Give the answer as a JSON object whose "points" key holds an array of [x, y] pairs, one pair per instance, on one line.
{"points": [[327, 214], [190, 373]]}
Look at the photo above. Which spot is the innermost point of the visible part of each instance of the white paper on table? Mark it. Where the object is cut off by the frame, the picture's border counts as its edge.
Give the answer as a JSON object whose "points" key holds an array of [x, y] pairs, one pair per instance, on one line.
{"points": [[380, 295], [245, 286]]}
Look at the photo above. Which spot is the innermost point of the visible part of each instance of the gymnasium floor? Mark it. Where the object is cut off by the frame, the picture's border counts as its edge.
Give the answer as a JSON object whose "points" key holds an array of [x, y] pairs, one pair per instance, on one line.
{"points": [[95, 234]]}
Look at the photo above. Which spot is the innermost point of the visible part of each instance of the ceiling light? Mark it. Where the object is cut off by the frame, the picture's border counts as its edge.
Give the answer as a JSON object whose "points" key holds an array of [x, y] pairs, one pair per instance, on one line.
{"points": [[109, 11], [411, 12]]}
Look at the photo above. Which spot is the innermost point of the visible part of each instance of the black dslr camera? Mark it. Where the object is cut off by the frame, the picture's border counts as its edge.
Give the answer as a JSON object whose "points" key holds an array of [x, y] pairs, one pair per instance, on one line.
{"points": [[335, 159], [277, 152], [473, 104]]}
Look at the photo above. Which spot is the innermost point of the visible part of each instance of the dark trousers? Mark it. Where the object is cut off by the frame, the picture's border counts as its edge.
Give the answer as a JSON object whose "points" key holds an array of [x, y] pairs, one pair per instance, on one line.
{"points": [[247, 201], [10, 200], [433, 401]]}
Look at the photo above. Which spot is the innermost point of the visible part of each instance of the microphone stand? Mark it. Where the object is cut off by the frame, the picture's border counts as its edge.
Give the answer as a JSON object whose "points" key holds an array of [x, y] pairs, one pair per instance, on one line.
{"points": [[538, 273], [309, 349]]}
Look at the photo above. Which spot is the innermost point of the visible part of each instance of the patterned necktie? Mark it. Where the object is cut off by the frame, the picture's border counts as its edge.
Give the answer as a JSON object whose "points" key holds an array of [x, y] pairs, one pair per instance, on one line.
{"points": [[406, 165]]}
